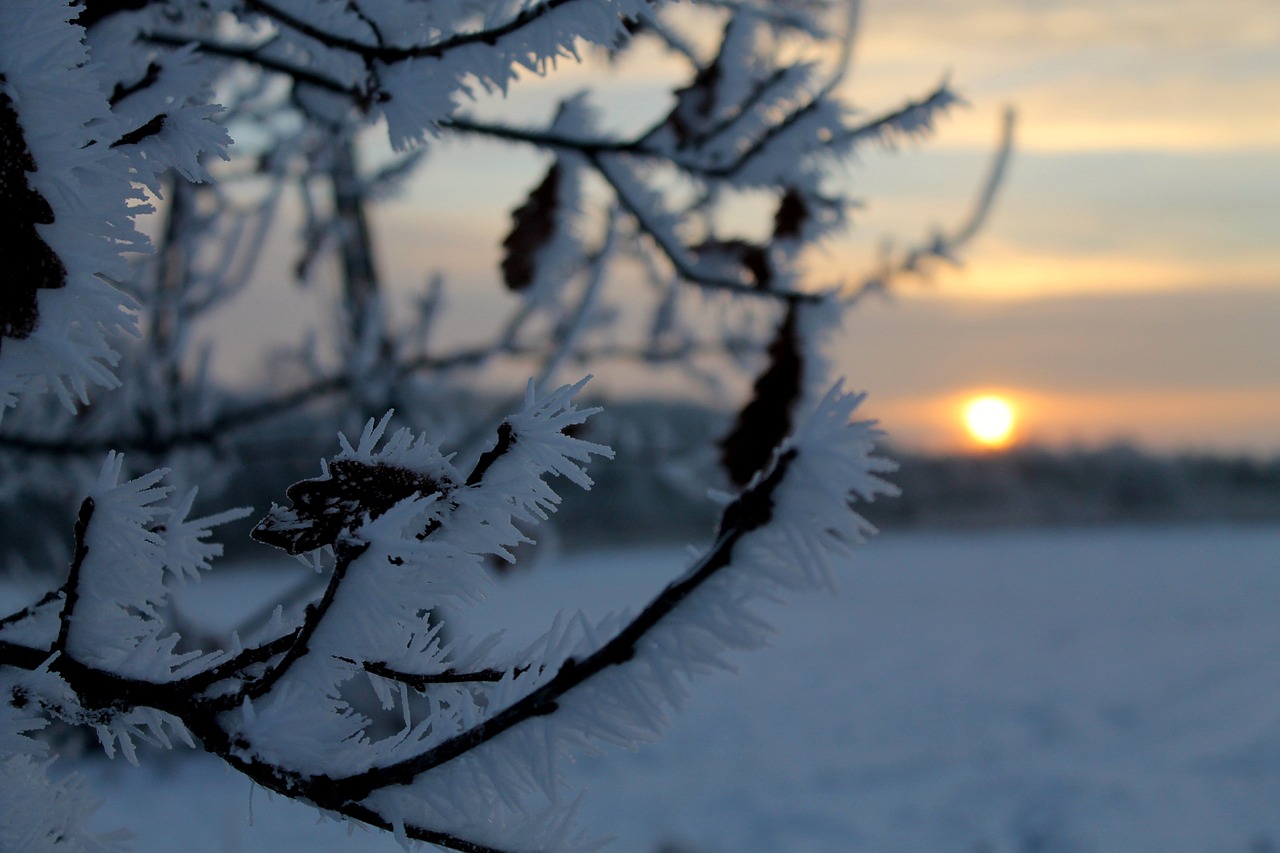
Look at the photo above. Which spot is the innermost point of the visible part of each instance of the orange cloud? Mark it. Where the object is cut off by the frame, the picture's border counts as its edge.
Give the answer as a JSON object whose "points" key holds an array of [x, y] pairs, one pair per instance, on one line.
{"points": [[1171, 75], [1001, 271], [1170, 113]]}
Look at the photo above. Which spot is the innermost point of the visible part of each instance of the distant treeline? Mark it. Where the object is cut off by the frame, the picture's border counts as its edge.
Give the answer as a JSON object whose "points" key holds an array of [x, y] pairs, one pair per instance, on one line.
{"points": [[656, 489], [1038, 486], [666, 458]]}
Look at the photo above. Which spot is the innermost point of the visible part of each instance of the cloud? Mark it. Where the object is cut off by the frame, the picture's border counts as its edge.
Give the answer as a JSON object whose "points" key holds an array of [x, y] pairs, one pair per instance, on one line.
{"points": [[912, 29], [1072, 222], [1188, 368], [1139, 74], [1204, 337], [1146, 177]]}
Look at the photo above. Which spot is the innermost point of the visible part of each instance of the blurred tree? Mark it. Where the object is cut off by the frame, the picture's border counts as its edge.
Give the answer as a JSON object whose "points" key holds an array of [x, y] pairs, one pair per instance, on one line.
{"points": [[108, 113]]}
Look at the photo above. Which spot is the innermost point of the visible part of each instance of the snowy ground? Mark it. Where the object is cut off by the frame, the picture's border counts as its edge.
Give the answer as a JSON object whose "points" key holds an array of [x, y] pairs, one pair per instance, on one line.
{"points": [[1102, 690]]}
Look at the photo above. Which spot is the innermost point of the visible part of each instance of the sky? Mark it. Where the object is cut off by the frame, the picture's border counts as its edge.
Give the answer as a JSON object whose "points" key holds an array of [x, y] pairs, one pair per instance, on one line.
{"points": [[1127, 285]]}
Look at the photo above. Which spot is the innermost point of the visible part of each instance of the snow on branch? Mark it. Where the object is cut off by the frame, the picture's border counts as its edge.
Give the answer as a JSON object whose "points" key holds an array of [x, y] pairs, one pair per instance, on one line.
{"points": [[66, 200], [784, 532], [71, 160], [910, 121], [358, 697], [406, 532], [406, 529], [409, 63]]}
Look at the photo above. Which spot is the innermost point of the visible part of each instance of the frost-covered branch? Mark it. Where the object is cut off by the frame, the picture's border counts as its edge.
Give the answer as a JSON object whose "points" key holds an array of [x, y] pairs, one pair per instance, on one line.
{"points": [[202, 704], [749, 512], [943, 246], [357, 697], [386, 501]]}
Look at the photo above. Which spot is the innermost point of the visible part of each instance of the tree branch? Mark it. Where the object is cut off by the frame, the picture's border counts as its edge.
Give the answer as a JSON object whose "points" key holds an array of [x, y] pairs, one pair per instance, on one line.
{"points": [[30, 610], [677, 255], [72, 588], [391, 54], [421, 681], [20, 656], [506, 438], [240, 662], [752, 510], [252, 56], [348, 552], [895, 120]]}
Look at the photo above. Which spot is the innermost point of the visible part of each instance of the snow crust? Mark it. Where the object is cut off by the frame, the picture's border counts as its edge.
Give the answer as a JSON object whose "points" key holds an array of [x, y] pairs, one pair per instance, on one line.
{"points": [[1056, 690]]}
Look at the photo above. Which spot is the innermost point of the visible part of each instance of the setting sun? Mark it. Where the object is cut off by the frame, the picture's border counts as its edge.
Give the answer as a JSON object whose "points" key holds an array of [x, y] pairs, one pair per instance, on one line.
{"points": [[990, 420]]}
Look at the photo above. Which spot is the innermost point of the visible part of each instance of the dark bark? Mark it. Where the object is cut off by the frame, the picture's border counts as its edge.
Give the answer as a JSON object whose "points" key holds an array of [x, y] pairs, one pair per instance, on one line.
{"points": [[766, 419]]}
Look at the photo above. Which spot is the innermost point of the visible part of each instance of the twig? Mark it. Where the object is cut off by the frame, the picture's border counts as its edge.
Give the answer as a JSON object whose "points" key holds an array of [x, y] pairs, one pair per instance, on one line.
{"points": [[71, 590], [752, 510], [421, 681], [30, 610], [391, 54], [348, 552]]}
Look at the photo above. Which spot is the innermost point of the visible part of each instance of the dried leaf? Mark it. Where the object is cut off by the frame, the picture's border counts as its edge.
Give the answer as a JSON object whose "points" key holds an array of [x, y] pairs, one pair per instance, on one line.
{"points": [[324, 507], [30, 264], [766, 419], [793, 213], [533, 225]]}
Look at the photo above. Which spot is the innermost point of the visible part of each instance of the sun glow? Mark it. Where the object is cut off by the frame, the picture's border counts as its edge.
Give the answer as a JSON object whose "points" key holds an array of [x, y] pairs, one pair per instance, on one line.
{"points": [[990, 420]]}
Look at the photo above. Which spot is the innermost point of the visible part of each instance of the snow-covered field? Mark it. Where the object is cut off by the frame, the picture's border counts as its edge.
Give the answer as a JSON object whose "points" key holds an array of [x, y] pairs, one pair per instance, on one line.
{"points": [[1100, 690]]}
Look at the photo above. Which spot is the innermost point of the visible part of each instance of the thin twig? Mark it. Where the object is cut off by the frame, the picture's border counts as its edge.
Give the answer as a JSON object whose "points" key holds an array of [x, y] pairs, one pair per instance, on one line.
{"points": [[30, 610], [71, 591], [348, 552], [390, 54], [752, 510], [421, 681]]}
